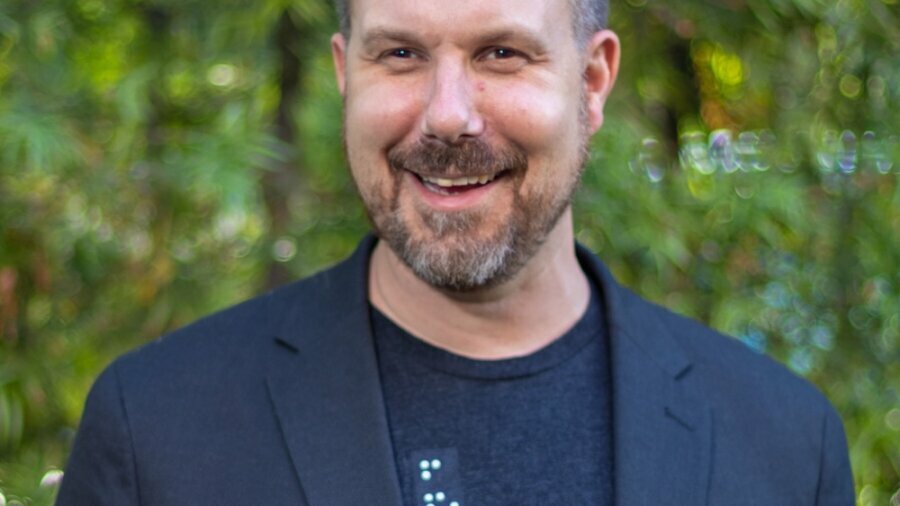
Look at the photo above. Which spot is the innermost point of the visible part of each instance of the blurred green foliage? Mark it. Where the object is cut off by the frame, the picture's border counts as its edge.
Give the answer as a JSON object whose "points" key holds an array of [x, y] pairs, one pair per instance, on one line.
{"points": [[161, 159]]}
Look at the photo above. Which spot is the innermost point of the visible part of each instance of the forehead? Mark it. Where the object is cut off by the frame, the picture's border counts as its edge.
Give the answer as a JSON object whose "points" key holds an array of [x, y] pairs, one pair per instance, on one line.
{"points": [[448, 18]]}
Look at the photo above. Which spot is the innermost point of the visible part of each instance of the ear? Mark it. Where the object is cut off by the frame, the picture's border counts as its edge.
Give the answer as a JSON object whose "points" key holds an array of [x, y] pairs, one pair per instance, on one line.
{"points": [[601, 68], [339, 56]]}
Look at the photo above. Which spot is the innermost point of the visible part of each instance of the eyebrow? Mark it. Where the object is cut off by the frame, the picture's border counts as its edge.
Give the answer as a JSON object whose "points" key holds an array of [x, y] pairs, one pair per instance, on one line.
{"points": [[377, 35], [518, 35]]}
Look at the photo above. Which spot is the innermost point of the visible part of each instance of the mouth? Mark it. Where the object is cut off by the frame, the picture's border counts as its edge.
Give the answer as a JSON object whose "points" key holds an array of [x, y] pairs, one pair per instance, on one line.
{"points": [[455, 186]]}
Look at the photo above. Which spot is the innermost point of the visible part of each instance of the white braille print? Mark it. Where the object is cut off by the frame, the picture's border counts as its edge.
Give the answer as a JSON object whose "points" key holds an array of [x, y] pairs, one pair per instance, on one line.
{"points": [[454, 503], [424, 465], [429, 497], [440, 496], [426, 475], [435, 464]]}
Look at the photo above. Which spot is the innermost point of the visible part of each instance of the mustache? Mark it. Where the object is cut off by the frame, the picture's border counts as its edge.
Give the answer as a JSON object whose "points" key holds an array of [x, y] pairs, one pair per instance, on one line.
{"points": [[472, 157]]}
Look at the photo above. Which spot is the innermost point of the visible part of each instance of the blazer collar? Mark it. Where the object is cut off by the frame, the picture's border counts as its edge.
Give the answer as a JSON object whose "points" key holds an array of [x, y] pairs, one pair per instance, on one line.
{"points": [[326, 391], [662, 430], [327, 394]]}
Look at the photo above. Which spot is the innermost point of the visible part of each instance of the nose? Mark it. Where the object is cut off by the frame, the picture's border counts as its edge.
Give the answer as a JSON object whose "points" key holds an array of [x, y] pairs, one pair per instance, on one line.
{"points": [[450, 113]]}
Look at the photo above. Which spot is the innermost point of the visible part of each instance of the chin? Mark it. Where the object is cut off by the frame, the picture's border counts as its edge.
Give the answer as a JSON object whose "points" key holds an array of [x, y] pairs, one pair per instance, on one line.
{"points": [[452, 251]]}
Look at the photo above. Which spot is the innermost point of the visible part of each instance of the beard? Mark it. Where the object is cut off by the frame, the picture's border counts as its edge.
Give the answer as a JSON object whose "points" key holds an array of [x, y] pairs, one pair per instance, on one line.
{"points": [[464, 251], [457, 254]]}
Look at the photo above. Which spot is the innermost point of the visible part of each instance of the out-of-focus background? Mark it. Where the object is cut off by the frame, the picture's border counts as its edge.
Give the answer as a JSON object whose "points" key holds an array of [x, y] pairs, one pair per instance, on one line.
{"points": [[161, 159]]}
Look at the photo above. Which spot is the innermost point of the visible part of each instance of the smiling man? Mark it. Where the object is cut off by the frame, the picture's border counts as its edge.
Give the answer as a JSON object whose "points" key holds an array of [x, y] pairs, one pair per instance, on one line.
{"points": [[470, 353]]}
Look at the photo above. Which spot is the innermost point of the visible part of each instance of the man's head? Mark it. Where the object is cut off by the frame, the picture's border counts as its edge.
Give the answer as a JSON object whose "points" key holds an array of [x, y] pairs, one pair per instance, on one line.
{"points": [[466, 125]]}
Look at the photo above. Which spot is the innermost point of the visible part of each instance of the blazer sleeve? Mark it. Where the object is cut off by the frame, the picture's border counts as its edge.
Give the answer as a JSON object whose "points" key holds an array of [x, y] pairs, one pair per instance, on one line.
{"points": [[835, 476], [101, 468]]}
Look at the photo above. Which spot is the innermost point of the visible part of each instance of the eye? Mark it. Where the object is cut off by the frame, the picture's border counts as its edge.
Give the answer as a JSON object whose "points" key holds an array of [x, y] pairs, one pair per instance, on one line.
{"points": [[503, 59], [401, 52], [401, 59], [501, 53]]}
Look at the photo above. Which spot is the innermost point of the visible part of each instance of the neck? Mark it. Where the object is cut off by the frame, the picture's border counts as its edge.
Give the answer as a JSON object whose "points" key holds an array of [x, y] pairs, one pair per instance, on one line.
{"points": [[518, 317]]}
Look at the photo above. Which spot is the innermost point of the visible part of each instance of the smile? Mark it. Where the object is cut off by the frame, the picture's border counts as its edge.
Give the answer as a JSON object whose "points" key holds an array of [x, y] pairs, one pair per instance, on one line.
{"points": [[451, 186]]}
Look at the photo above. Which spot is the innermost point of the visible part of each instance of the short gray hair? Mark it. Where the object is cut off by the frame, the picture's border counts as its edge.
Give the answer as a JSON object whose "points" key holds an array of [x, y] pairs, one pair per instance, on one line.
{"points": [[588, 17]]}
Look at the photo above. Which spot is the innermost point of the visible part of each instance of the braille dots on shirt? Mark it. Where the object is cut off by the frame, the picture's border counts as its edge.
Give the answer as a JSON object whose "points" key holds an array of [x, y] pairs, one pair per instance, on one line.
{"points": [[437, 499], [431, 480], [437, 480], [427, 467]]}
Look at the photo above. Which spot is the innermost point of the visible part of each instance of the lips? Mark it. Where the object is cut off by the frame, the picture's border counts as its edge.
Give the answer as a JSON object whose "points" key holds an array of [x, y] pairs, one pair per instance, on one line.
{"points": [[452, 186], [460, 181]]}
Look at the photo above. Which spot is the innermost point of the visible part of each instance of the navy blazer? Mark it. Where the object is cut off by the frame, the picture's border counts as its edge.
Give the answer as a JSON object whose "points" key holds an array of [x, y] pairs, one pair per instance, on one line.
{"points": [[277, 401]]}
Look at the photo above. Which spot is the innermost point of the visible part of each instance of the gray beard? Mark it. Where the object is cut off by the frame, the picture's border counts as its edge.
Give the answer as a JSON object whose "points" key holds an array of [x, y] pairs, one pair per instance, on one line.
{"points": [[479, 265], [470, 262], [468, 265]]}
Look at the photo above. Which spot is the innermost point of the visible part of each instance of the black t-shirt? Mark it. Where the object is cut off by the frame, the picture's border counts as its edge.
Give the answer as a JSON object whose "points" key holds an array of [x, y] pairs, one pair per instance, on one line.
{"points": [[533, 430]]}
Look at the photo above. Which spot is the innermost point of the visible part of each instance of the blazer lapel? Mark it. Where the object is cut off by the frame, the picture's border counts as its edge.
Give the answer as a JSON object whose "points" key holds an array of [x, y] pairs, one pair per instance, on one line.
{"points": [[662, 433], [326, 391]]}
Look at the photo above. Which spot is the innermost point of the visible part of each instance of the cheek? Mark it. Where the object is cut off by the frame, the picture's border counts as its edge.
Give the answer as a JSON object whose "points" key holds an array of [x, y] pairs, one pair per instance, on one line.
{"points": [[378, 116], [540, 121], [546, 125]]}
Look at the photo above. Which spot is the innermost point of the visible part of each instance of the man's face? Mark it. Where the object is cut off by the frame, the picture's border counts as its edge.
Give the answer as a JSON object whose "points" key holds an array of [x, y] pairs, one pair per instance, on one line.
{"points": [[466, 125]]}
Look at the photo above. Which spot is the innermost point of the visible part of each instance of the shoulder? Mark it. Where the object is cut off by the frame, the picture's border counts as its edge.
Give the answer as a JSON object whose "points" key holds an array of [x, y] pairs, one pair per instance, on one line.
{"points": [[216, 349], [760, 407], [729, 371], [758, 403], [240, 342], [759, 412], [719, 367], [154, 412], [209, 342]]}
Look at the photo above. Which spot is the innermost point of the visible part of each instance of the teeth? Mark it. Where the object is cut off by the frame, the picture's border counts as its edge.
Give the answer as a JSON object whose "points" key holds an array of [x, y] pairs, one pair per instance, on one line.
{"points": [[460, 181]]}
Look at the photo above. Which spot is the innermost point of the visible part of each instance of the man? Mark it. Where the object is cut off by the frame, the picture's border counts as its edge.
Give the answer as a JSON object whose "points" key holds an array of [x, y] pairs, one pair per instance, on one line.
{"points": [[472, 354]]}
